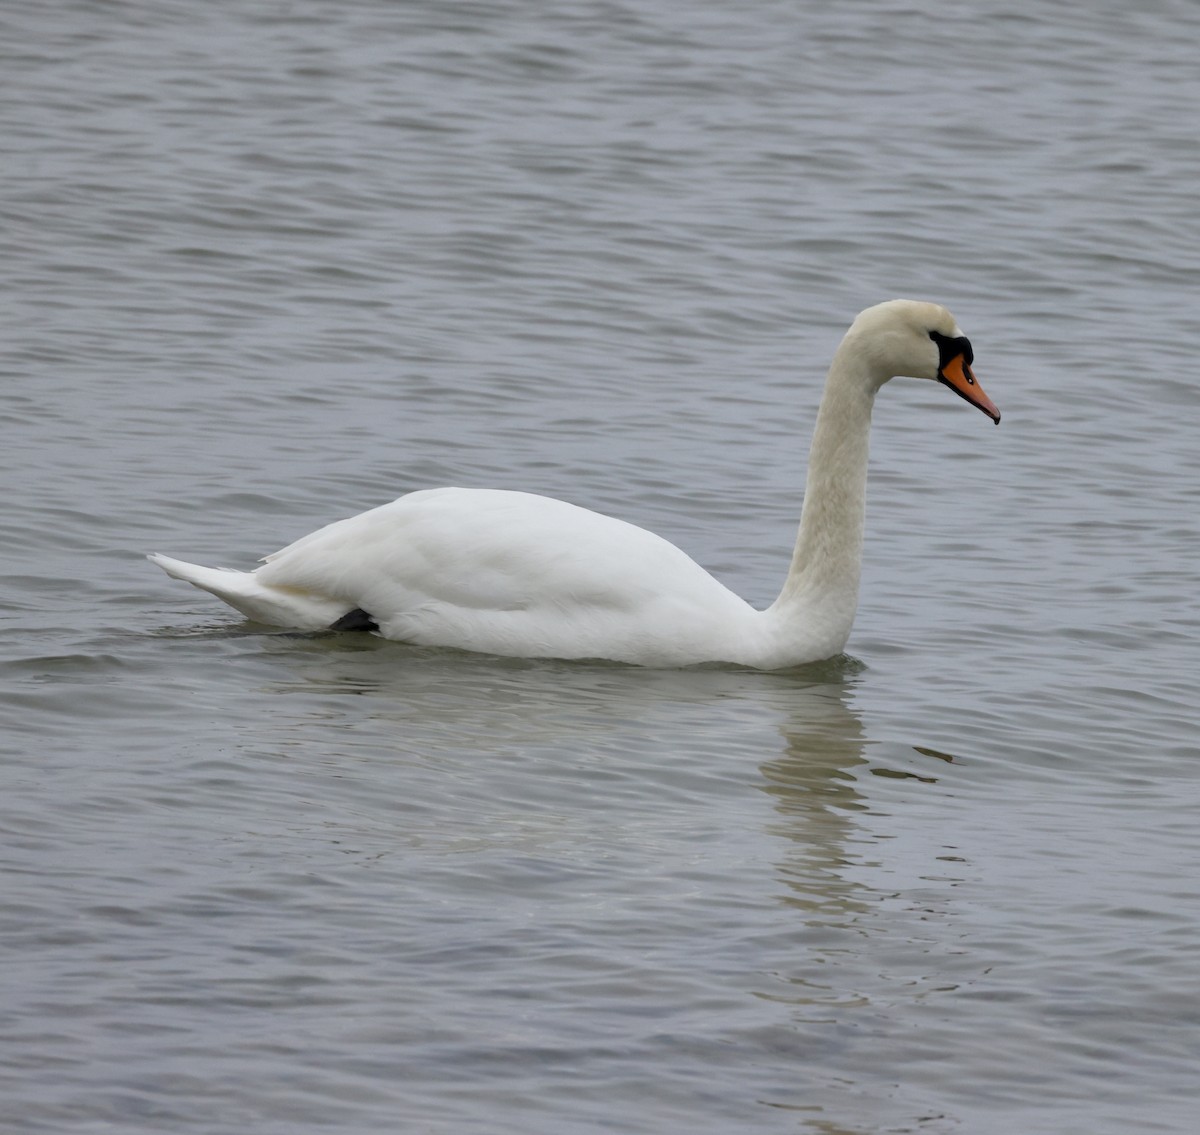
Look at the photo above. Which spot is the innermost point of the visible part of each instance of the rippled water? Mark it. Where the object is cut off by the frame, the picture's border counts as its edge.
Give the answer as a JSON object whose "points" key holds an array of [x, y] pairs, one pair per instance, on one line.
{"points": [[265, 265]]}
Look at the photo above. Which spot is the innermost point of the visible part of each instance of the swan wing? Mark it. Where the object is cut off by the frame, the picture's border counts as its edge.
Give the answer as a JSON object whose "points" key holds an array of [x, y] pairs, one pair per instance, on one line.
{"points": [[510, 573]]}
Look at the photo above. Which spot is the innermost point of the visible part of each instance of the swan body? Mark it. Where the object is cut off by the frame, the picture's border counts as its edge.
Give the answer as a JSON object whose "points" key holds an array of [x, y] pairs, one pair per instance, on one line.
{"points": [[516, 574]]}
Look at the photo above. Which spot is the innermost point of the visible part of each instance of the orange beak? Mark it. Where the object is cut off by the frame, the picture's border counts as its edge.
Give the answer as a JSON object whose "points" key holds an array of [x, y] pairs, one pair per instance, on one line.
{"points": [[957, 375]]}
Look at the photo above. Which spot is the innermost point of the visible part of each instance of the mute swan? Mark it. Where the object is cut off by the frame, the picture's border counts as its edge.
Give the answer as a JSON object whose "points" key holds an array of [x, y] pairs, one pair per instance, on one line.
{"points": [[515, 574]]}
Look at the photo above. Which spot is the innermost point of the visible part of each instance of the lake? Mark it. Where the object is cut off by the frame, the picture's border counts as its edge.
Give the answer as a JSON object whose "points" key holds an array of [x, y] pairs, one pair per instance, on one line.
{"points": [[267, 265]]}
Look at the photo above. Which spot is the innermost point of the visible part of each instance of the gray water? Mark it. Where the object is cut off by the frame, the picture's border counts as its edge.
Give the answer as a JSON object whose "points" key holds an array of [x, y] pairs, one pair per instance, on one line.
{"points": [[264, 265]]}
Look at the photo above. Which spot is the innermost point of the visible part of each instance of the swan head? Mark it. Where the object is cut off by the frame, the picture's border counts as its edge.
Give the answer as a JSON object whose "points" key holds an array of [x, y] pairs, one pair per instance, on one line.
{"points": [[919, 340]]}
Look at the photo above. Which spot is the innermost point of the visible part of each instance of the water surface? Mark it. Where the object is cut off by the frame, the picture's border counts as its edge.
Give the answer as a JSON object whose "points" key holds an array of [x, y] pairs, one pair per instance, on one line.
{"points": [[264, 267]]}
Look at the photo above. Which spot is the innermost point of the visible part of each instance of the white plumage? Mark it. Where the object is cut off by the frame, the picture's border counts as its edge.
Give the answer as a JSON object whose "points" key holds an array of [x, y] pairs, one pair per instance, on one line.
{"points": [[516, 574]]}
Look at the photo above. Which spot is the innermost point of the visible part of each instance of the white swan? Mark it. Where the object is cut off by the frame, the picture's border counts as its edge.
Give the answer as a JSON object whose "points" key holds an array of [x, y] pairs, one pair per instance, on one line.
{"points": [[515, 574]]}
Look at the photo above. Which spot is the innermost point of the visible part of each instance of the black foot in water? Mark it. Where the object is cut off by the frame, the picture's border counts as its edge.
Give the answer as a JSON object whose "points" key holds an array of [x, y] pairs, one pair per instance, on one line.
{"points": [[356, 620]]}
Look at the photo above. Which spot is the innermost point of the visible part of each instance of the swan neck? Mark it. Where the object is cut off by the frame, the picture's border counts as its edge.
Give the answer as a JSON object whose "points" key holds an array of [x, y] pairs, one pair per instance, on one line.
{"points": [[822, 583]]}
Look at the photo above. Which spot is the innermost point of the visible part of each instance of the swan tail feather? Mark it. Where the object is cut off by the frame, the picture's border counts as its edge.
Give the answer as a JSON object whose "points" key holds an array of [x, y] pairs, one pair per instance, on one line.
{"points": [[275, 606]]}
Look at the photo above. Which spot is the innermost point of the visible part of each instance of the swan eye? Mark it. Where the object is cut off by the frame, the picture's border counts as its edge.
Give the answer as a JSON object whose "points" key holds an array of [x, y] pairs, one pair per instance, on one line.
{"points": [[950, 347]]}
